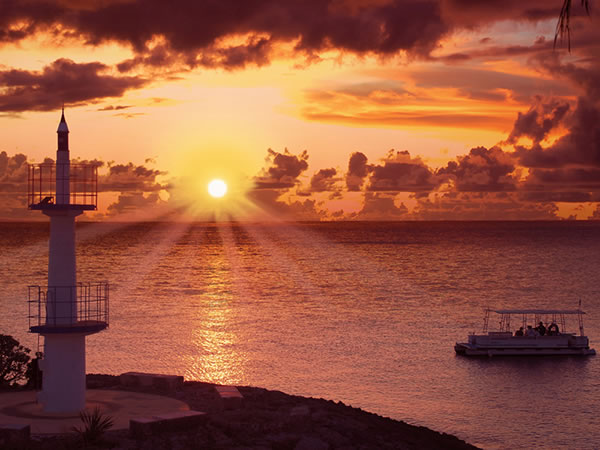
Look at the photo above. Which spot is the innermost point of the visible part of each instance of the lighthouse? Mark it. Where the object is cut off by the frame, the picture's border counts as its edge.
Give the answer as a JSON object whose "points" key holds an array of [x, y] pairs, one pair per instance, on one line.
{"points": [[64, 311]]}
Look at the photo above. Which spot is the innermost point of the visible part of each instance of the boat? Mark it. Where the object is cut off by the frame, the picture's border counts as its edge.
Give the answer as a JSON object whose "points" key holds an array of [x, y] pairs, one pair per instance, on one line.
{"points": [[553, 339]]}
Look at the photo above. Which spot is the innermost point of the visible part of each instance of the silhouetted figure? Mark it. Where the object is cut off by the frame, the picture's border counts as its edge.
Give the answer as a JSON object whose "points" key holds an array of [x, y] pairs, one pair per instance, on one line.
{"points": [[34, 372], [531, 332], [519, 332], [553, 329], [541, 329], [47, 201]]}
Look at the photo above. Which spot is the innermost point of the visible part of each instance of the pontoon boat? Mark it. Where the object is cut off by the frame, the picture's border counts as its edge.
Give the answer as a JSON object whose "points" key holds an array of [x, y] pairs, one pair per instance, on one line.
{"points": [[539, 332]]}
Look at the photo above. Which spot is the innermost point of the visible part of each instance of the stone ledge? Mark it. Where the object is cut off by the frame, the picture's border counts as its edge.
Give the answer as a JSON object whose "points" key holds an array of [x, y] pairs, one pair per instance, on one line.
{"points": [[162, 382], [141, 427], [12, 432], [229, 397]]}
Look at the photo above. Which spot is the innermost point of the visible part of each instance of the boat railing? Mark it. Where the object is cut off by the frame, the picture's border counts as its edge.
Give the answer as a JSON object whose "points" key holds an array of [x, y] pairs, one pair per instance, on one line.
{"points": [[533, 317]]}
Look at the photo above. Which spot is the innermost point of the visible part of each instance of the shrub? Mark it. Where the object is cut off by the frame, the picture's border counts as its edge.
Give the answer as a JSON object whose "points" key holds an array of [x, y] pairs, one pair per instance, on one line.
{"points": [[14, 361], [95, 424]]}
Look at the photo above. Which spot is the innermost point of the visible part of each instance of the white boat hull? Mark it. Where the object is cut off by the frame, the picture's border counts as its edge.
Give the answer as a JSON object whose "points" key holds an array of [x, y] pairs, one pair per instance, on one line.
{"points": [[504, 344]]}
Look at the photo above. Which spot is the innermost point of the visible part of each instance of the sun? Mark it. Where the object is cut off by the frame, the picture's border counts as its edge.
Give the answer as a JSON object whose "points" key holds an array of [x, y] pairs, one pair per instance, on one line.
{"points": [[217, 188]]}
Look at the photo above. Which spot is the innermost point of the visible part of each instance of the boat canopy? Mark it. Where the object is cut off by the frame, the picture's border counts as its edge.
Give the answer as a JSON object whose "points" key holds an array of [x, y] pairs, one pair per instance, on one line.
{"points": [[537, 311]]}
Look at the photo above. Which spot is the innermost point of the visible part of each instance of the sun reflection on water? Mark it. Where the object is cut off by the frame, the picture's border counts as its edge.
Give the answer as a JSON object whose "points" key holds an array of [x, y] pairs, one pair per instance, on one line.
{"points": [[217, 358]]}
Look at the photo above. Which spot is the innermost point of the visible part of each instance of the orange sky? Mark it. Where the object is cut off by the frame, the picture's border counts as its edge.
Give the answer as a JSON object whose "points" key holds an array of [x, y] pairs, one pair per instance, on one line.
{"points": [[185, 104]]}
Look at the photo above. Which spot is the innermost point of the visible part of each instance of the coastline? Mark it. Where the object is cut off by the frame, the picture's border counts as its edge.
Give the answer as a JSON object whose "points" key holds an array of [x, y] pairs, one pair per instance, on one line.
{"points": [[273, 419]]}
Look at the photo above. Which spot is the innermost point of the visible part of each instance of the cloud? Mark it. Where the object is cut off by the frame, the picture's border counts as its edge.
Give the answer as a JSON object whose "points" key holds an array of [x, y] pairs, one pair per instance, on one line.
{"points": [[484, 84], [13, 187], [130, 178], [378, 206], [399, 172], [271, 202], [196, 31], [115, 107], [482, 206], [482, 169], [434, 101], [61, 82], [282, 171], [580, 146], [324, 180], [475, 14], [132, 202], [357, 171], [13, 173], [536, 123]]}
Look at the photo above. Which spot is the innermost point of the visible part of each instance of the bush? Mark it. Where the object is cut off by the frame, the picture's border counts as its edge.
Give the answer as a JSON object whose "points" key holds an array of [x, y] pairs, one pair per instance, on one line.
{"points": [[95, 424], [14, 361]]}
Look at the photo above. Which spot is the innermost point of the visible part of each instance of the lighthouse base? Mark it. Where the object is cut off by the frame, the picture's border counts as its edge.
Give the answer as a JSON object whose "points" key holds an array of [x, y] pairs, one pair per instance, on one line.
{"points": [[63, 366]]}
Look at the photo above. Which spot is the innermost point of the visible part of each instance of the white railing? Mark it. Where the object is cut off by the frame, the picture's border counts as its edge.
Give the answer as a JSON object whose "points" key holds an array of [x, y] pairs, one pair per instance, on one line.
{"points": [[68, 306]]}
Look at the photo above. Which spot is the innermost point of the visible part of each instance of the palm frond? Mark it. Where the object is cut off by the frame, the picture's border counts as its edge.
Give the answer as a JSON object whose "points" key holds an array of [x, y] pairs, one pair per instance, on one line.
{"points": [[94, 424], [563, 25]]}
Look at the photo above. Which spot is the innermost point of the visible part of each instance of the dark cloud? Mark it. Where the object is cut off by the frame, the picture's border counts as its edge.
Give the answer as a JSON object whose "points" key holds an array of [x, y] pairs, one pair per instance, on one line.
{"points": [[13, 188], [500, 52], [583, 75], [115, 107], [475, 14], [282, 171], [357, 171], [487, 85], [562, 185], [536, 123], [13, 173], [377, 206], [580, 146], [401, 173], [482, 170], [197, 31], [270, 201], [482, 206], [552, 196], [132, 202], [62, 82], [130, 178], [324, 180]]}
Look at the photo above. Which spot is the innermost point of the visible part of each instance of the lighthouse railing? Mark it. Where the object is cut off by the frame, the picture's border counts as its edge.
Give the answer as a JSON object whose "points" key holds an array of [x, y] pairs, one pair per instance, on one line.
{"points": [[85, 305], [52, 186]]}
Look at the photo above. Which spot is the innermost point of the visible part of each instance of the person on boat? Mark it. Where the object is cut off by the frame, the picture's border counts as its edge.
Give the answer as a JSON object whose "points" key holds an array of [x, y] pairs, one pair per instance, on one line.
{"points": [[541, 328], [531, 332], [553, 329], [519, 332]]}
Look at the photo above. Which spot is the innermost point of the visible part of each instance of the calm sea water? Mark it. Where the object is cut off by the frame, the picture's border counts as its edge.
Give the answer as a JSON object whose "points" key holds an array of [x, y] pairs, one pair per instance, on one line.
{"points": [[365, 313]]}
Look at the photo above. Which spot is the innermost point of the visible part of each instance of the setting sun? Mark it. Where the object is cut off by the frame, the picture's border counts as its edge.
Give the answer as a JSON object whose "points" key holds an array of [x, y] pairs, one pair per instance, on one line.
{"points": [[217, 188]]}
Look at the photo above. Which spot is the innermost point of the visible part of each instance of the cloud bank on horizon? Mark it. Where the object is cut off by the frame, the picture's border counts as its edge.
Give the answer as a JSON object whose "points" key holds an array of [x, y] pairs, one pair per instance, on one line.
{"points": [[548, 160]]}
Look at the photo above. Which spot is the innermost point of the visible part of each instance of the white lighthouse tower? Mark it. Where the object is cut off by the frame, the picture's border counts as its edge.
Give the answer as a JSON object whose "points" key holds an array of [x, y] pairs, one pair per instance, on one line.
{"points": [[64, 312]]}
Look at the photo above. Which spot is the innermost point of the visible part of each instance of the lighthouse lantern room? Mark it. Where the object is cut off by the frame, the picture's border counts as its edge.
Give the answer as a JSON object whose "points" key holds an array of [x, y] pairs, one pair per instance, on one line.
{"points": [[64, 311]]}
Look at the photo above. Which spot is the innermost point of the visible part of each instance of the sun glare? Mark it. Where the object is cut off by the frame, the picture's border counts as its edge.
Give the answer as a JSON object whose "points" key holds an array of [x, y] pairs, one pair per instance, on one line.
{"points": [[217, 188]]}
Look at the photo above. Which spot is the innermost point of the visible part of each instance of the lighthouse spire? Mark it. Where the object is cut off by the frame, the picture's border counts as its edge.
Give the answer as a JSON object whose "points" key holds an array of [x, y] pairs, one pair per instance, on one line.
{"points": [[63, 133]]}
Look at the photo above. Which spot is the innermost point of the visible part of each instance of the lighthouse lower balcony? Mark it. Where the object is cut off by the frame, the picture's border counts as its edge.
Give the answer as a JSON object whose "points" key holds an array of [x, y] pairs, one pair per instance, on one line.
{"points": [[81, 309]]}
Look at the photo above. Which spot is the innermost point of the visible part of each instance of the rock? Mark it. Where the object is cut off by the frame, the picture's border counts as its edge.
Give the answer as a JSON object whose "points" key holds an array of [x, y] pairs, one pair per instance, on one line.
{"points": [[311, 443], [300, 411]]}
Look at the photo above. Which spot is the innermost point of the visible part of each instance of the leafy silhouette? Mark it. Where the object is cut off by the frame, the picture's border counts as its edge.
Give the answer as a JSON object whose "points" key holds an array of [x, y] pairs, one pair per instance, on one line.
{"points": [[95, 424], [563, 25], [14, 360]]}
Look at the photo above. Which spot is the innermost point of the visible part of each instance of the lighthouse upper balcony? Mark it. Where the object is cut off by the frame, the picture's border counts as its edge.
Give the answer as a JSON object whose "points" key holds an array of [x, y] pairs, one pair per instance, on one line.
{"points": [[62, 187], [82, 308]]}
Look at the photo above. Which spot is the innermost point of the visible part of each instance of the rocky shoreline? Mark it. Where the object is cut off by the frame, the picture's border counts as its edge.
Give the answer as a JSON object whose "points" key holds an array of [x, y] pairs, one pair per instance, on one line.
{"points": [[267, 420]]}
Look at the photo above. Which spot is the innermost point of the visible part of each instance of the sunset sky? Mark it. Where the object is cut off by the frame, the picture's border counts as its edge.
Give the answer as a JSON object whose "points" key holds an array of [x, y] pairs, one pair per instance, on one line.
{"points": [[307, 109]]}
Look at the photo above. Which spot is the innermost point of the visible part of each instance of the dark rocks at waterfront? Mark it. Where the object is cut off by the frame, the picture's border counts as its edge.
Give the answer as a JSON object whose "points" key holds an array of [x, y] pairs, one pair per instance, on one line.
{"points": [[274, 420]]}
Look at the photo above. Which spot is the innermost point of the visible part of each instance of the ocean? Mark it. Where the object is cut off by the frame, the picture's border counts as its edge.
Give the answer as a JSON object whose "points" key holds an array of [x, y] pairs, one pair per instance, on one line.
{"points": [[363, 313]]}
